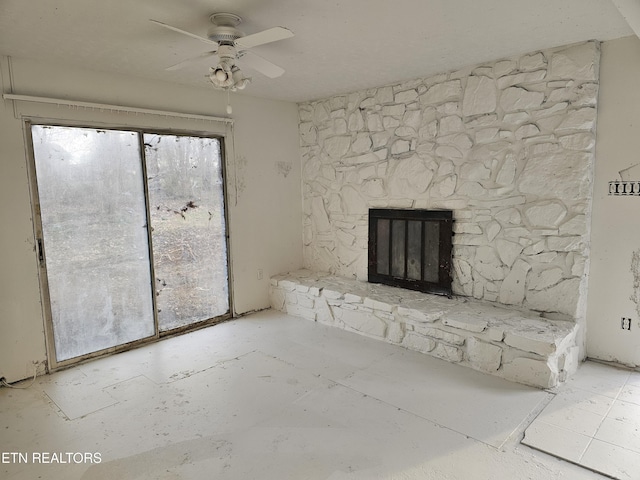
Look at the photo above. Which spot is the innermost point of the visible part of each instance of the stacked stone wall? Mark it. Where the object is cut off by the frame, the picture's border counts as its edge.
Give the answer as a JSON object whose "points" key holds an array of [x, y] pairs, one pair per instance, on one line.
{"points": [[508, 146]]}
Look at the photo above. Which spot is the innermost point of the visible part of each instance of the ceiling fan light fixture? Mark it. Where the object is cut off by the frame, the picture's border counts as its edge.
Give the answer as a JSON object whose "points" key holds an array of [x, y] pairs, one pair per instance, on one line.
{"points": [[239, 80], [220, 75]]}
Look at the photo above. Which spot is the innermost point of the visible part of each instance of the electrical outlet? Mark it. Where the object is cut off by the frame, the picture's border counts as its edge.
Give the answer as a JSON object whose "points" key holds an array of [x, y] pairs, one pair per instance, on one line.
{"points": [[625, 323], [260, 274]]}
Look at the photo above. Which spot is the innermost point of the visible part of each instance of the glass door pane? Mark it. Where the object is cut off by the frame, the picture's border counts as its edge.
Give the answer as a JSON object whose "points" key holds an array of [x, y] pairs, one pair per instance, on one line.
{"points": [[93, 216], [186, 200]]}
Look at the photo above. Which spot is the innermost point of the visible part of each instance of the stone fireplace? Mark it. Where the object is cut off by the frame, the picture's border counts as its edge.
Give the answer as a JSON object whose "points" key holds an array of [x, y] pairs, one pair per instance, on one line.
{"points": [[507, 146]]}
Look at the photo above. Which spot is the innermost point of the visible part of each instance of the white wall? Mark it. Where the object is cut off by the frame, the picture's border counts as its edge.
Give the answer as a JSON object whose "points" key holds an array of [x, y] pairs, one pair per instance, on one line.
{"points": [[615, 237], [263, 180]]}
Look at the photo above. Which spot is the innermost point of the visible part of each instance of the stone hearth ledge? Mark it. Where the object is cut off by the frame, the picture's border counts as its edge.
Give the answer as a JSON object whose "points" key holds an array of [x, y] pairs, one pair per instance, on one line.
{"points": [[516, 345]]}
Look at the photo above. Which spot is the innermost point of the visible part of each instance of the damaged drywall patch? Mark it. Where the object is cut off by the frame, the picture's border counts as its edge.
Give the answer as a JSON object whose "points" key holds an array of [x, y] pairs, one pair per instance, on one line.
{"points": [[283, 168]]}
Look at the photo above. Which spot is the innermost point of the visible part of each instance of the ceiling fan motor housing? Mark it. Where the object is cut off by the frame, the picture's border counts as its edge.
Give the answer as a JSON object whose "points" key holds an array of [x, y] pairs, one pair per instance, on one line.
{"points": [[225, 31]]}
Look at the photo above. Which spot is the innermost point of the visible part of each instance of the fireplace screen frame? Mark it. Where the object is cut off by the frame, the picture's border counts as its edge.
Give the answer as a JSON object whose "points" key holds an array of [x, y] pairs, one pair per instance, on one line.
{"points": [[398, 230]]}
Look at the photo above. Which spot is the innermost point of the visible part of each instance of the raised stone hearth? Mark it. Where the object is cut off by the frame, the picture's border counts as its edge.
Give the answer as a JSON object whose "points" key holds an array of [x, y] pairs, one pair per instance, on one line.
{"points": [[511, 343]]}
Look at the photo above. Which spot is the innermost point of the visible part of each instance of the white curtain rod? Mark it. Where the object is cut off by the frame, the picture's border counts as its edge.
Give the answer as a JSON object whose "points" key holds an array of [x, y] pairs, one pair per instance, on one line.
{"points": [[117, 108]]}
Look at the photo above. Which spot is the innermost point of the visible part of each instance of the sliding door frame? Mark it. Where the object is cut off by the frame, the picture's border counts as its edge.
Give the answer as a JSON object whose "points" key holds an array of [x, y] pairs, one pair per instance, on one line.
{"points": [[40, 249]]}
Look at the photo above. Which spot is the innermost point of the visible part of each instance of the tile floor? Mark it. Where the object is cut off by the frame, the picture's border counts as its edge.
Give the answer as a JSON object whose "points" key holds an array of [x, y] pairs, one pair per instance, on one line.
{"points": [[594, 421], [270, 396]]}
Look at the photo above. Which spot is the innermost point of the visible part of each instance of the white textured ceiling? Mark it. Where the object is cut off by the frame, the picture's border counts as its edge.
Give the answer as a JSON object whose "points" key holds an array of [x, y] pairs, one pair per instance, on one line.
{"points": [[339, 45]]}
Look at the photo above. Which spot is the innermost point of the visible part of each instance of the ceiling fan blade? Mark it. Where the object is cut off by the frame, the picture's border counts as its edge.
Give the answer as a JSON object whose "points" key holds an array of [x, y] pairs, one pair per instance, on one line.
{"points": [[266, 36], [189, 34], [259, 64], [191, 60]]}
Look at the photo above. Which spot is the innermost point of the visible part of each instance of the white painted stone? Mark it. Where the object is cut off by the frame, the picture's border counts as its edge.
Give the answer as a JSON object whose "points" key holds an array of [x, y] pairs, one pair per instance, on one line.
{"points": [[512, 290], [395, 333], [410, 177], [362, 143], [404, 131], [515, 118], [442, 92], [517, 98], [544, 338], [463, 270], [475, 171], [561, 298], [374, 122], [508, 251], [337, 146], [446, 167], [374, 188], [362, 322], [492, 229], [446, 186], [536, 373], [495, 333], [507, 172], [406, 97], [576, 62], [504, 67], [377, 305], [509, 215], [545, 278], [565, 244], [488, 264], [319, 215], [300, 311], [448, 337], [585, 95], [483, 356], [450, 124], [581, 119], [400, 147], [574, 226], [320, 113], [355, 122], [547, 214], [277, 298], [480, 96], [420, 315], [532, 62], [384, 95], [448, 352], [465, 227], [526, 131], [418, 343], [578, 141], [308, 133], [486, 134], [448, 108], [521, 78], [465, 321], [563, 176]]}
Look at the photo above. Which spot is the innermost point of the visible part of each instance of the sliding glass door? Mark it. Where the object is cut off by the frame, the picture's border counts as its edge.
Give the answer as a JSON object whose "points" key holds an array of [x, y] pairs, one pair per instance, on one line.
{"points": [[132, 236], [188, 228]]}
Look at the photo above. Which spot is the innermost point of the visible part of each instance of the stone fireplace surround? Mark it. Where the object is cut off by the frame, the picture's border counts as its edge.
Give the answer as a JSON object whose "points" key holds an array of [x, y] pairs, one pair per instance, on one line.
{"points": [[508, 146]]}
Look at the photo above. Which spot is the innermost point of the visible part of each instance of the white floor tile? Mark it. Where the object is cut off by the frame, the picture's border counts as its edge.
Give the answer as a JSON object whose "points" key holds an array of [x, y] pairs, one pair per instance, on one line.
{"points": [[620, 433], [630, 393], [556, 441], [572, 418], [612, 460], [600, 379], [448, 395]]}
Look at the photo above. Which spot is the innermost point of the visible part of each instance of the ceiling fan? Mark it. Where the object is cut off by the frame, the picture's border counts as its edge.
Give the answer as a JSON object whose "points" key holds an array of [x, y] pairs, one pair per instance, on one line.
{"points": [[232, 48]]}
